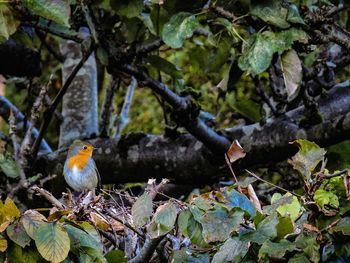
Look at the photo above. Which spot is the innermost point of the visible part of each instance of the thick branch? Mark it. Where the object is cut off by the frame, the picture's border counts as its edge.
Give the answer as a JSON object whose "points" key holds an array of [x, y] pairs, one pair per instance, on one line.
{"points": [[184, 159], [182, 105]]}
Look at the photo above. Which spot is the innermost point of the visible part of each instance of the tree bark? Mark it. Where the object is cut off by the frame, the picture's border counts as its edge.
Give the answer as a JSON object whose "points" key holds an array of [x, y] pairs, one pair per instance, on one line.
{"points": [[79, 104], [137, 157]]}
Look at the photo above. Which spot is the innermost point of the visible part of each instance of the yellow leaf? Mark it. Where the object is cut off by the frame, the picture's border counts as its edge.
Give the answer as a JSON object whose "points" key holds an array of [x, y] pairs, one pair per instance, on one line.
{"points": [[99, 221]]}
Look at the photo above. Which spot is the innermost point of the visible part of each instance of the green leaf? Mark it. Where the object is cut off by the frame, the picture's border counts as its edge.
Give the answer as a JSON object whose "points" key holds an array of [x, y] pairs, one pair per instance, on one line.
{"points": [[323, 197], [116, 256], [31, 221], [164, 65], [266, 230], [195, 229], [184, 255], [218, 224], [294, 15], [163, 220], [52, 241], [307, 158], [54, 10], [127, 8], [8, 22], [291, 209], [147, 21], [257, 54], [285, 226], [343, 225], [79, 238], [275, 250], [9, 166], [298, 258], [283, 40], [292, 73], [236, 199], [182, 221], [142, 210], [233, 250], [17, 234], [248, 108], [178, 28], [18, 254], [272, 13], [309, 245]]}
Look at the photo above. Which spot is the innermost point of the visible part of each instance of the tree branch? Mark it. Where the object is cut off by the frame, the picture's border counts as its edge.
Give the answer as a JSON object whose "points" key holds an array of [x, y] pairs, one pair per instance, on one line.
{"points": [[137, 157], [183, 107]]}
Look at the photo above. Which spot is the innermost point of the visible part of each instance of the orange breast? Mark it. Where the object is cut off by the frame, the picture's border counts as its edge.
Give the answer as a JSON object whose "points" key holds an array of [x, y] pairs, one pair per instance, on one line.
{"points": [[79, 160]]}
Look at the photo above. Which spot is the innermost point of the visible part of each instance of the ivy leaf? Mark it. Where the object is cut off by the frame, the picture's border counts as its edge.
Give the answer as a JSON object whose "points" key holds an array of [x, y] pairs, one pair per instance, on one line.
{"points": [[275, 250], [164, 65], [291, 210], [8, 22], [178, 28], [294, 15], [52, 242], [292, 73], [54, 10], [17, 234], [233, 250], [285, 226], [236, 199], [307, 158], [272, 13], [163, 220], [323, 197], [218, 224], [142, 209], [310, 246], [266, 230], [257, 54]]}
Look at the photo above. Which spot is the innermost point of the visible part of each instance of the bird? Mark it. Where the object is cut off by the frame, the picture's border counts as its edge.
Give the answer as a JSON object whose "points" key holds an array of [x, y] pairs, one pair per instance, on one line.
{"points": [[80, 171]]}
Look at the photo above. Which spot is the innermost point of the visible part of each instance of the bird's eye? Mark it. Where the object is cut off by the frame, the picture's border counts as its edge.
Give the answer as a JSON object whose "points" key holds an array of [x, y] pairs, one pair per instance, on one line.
{"points": [[85, 147]]}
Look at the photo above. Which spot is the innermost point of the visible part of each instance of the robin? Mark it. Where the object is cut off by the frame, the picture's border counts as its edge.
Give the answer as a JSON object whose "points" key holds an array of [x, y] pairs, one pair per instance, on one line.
{"points": [[80, 170]]}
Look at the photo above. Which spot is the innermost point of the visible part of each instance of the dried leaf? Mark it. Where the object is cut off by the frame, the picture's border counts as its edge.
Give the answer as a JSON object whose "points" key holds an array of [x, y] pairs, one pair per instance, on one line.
{"points": [[254, 198], [99, 221], [235, 152]]}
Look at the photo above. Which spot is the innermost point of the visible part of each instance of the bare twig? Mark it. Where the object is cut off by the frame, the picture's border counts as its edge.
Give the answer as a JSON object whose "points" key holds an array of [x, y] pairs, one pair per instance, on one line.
{"points": [[6, 107], [53, 31], [147, 250], [50, 111], [111, 214], [123, 118], [267, 182], [25, 151], [107, 108], [48, 196], [222, 12], [233, 173]]}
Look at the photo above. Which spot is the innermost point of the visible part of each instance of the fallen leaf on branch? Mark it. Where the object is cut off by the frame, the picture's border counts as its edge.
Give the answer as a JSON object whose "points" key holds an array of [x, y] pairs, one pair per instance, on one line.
{"points": [[235, 152]]}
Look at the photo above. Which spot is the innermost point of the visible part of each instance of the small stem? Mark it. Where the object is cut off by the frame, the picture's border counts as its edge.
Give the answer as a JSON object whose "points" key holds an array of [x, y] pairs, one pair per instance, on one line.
{"points": [[233, 173], [267, 182]]}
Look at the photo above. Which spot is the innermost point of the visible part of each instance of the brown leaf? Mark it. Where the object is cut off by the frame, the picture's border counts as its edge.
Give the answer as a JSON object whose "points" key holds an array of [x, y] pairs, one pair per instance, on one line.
{"points": [[235, 152], [254, 198], [311, 228]]}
